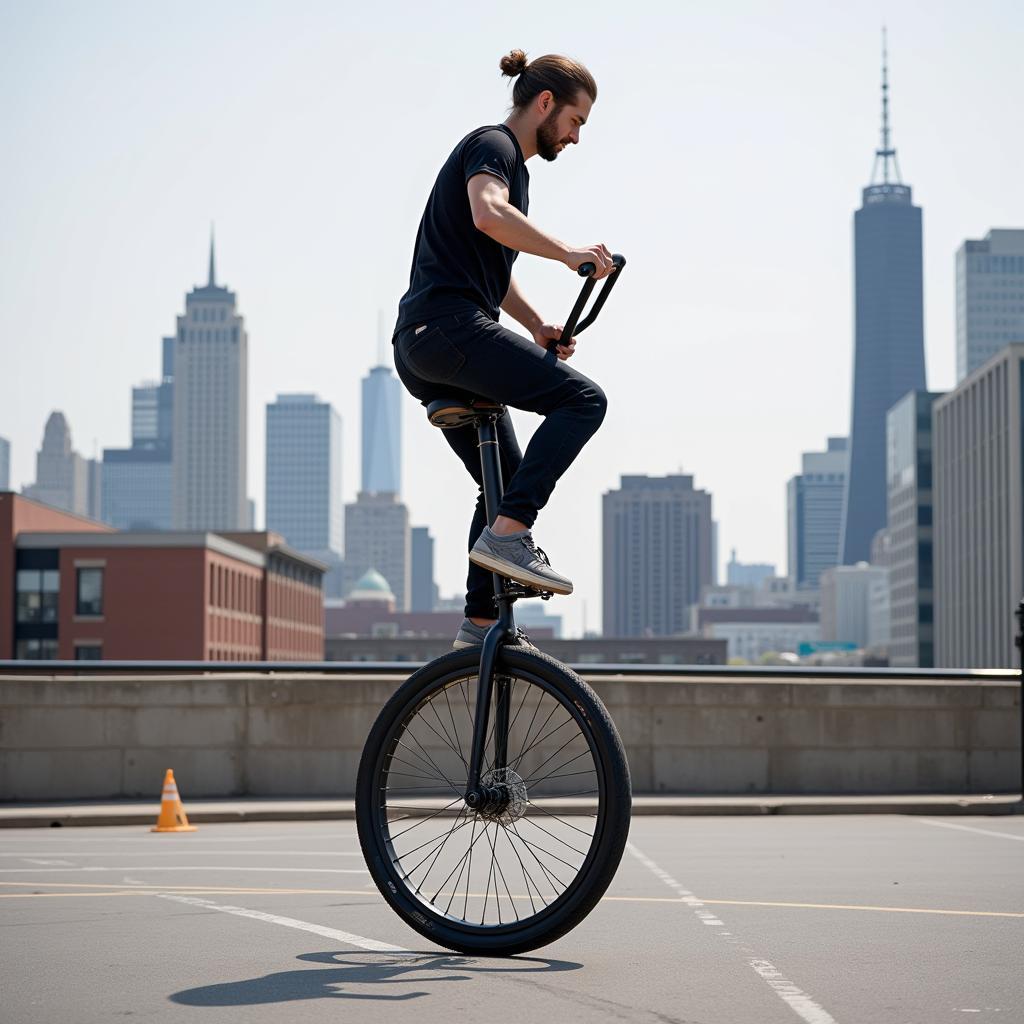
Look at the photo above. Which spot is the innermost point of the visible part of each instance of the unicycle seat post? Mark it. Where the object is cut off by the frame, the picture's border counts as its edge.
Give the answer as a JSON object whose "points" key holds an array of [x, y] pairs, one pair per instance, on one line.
{"points": [[490, 467]]}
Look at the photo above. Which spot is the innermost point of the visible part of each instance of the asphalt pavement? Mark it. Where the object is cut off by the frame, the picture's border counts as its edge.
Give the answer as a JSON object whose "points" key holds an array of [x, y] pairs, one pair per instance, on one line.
{"points": [[752, 920]]}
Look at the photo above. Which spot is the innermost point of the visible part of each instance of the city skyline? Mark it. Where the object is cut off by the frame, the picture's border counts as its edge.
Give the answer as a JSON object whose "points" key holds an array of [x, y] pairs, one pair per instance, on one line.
{"points": [[766, 267]]}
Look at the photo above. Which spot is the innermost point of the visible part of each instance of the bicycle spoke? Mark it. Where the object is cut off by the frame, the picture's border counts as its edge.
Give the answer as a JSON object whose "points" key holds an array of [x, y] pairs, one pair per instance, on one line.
{"points": [[547, 873], [570, 720], [455, 731], [427, 761], [582, 853], [556, 753], [426, 819], [551, 774], [568, 824]]}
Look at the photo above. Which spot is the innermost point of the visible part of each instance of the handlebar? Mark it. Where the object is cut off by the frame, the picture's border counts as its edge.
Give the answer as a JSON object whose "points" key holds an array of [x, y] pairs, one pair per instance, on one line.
{"points": [[585, 270]]}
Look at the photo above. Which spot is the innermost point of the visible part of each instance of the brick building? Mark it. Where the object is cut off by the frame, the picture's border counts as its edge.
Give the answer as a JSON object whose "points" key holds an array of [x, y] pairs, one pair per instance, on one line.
{"points": [[74, 589]]}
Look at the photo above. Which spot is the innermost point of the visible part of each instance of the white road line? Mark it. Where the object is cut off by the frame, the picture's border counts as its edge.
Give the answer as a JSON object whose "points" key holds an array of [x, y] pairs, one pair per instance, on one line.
{"points": [[290, 922], [971, 828], [798, 1000], [49, 863], [199, 867]]}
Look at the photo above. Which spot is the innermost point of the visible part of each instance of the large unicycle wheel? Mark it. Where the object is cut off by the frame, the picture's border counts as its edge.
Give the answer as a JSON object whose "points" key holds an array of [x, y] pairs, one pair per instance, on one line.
{"points": [[529, 864]]}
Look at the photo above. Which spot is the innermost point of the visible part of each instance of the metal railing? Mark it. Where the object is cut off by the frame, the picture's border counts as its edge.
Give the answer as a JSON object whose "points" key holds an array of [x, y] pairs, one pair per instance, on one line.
{"points": [[627, 669]]}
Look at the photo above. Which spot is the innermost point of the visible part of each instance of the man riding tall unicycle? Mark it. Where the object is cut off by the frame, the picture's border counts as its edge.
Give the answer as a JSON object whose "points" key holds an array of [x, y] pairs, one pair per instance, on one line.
{"points": [[448, 337]]}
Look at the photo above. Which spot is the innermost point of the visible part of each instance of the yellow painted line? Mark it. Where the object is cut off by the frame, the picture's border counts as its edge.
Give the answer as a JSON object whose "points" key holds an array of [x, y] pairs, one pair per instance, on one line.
{"points": [[148, 890]]}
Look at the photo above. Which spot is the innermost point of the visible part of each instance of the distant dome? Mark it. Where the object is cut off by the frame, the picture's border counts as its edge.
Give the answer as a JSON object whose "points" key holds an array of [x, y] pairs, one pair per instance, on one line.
{"points": [[371, 587]]}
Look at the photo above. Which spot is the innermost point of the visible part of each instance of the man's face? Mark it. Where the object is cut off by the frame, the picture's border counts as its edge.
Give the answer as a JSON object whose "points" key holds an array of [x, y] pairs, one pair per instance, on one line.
{"points": [[562, 126]]}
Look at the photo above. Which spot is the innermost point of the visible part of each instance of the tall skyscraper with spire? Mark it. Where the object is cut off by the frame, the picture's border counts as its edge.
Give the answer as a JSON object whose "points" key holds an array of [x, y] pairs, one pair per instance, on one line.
{"points": [[888, 359], [210, 411]]}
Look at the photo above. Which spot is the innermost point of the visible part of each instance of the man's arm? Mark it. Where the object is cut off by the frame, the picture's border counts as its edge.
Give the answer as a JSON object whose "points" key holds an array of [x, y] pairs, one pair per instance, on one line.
{"points": [[497, 218], [517, 307]]}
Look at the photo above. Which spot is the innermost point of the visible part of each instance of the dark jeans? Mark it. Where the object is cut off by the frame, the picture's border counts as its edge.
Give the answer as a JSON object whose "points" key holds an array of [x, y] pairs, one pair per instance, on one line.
{"points": [[469, 354]]}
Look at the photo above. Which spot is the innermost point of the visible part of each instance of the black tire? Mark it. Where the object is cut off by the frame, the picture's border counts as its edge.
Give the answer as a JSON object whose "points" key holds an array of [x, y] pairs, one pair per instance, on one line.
{"points": [[602, 806]]}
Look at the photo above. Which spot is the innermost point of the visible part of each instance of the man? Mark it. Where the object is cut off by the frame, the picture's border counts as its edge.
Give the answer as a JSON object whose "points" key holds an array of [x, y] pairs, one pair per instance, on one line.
{"points": [[448, 338]]}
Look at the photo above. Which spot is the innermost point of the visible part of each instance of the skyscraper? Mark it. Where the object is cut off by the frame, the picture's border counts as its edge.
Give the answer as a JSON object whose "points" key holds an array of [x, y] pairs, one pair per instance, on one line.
{"points": [[989, 298], [657, 554], [814, 512], [909, 527], [62, 475], [137, 480], [978, 498], [888, 335], [210, 411], [382, 434], [303, 479], [377, 537], [424, 589], [5, 464], [747, 574]]}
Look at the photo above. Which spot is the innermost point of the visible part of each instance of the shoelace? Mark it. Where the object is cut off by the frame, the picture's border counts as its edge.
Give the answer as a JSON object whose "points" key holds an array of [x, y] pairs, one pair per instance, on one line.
{"points": [[539, 552]]}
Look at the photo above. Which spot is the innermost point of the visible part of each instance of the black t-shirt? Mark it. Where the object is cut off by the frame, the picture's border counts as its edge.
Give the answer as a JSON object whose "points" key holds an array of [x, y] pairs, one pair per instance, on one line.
{"points": [[455, 266]]}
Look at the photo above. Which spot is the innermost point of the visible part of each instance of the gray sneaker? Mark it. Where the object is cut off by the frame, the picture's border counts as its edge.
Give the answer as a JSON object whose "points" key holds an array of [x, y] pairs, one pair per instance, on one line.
{"points": [[470, 634], [517, 558]]}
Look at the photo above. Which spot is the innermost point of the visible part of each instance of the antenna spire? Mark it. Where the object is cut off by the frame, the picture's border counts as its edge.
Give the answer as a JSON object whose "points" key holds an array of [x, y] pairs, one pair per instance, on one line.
{"points": [[212, 282], [887, 152]]}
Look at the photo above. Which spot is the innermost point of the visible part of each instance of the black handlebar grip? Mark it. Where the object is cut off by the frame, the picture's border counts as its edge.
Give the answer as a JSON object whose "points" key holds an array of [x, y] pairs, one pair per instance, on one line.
{"points": [[586, 269]]}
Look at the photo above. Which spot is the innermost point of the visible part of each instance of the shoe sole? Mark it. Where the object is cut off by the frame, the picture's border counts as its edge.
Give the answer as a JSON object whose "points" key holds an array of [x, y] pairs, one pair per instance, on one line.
{"points": [[514, 572]]}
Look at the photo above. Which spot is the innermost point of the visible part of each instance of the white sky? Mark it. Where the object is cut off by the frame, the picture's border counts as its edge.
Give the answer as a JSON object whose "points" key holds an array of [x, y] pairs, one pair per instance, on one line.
{"points": [[724, 157]]}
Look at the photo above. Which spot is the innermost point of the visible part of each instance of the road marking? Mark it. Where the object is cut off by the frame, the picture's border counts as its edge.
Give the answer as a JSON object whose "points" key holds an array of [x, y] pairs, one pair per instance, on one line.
{"points": [[289, 922], [177, 853], [797, 1000], [849, 906], [971, 828], [117, 889], [191, 840], [189, 867], [33, 860]]}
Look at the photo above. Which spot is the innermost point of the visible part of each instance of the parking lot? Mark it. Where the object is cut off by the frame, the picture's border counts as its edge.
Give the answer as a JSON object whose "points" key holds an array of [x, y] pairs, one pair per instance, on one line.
{"points": [[847, 918]]}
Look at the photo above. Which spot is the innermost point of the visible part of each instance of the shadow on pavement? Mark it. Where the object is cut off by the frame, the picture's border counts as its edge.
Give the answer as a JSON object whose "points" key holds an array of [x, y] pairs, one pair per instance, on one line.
{"points": [[420, 970]]}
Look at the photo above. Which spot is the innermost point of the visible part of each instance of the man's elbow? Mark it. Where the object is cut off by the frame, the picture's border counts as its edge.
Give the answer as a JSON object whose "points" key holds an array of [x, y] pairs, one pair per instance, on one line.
{"points": [[485, 218]]}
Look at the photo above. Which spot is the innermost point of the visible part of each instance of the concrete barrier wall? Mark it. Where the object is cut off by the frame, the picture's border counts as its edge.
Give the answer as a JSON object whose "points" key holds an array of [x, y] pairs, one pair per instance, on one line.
{"points": [[63, 738]]}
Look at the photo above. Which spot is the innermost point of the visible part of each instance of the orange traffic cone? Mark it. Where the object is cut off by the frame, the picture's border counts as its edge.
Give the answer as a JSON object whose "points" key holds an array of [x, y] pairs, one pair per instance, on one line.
{"points": [[172, 815]]}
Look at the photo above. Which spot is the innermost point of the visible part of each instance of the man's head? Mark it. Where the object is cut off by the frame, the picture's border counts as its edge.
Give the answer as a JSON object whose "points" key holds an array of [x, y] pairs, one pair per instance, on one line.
{"points": [[552, 95]]}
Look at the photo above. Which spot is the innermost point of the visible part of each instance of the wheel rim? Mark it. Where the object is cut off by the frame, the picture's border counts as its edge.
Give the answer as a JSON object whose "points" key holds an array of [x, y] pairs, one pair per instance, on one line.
{"points": [[516, 861]]}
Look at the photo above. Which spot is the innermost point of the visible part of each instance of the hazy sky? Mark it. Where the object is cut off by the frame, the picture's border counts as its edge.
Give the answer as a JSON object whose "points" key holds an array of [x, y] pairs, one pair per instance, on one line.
{"points": [[724, 157]]}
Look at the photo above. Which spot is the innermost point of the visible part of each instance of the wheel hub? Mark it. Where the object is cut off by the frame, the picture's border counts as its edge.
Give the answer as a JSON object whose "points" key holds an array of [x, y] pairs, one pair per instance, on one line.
{"points": [[501, 798]]}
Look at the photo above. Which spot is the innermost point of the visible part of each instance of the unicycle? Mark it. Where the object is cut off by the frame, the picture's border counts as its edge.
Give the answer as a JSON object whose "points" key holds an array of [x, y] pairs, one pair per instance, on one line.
{"points": [[493, 796]]}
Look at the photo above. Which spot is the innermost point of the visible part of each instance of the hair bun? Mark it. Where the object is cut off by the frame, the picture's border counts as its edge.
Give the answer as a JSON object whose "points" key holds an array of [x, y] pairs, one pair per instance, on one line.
{"points": [[514, 64]]}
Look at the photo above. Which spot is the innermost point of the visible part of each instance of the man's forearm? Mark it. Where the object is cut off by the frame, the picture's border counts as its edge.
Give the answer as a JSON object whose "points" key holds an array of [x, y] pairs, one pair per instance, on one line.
{"points": [[519, 309], [505, 224]]}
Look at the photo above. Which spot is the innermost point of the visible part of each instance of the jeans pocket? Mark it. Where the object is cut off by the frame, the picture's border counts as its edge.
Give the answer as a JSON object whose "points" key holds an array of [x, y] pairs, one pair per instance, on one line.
{"points": [[433, 356]]}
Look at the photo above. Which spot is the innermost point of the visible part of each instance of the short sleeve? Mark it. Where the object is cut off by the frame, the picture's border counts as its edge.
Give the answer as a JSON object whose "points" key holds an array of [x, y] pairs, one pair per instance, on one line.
{"points": [[491, 152]]}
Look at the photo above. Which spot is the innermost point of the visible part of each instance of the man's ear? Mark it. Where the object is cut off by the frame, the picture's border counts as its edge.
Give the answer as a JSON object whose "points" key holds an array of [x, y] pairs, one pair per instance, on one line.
{"points": [[545, 99]]}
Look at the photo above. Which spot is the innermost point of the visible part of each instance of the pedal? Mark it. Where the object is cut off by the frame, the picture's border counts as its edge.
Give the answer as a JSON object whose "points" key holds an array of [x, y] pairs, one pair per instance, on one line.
{"points": [[517, 592]]}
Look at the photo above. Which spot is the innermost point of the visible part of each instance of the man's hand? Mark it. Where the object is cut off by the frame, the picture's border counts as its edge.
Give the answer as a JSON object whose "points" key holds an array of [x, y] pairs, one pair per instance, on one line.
{"points": [[598, 254], [547, 333]]}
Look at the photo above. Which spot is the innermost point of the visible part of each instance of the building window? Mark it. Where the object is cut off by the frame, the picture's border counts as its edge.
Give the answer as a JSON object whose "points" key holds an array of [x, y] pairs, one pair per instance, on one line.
{"points": [[38, 590], [89, 600], [36, 650], [88, 652]]}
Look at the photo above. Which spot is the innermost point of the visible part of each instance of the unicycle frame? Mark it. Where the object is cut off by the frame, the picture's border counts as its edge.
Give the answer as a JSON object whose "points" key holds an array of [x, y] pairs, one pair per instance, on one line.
{"points": [[507, 592]]}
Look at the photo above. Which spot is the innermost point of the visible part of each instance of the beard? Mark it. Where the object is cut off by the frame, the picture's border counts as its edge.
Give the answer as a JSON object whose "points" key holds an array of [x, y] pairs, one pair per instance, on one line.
{"points": [[547, 136]]}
